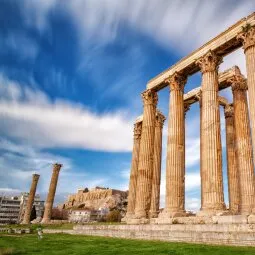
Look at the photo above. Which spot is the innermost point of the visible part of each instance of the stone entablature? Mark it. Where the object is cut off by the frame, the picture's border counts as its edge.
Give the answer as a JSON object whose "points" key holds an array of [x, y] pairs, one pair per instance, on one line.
{"points": [[224, 82], [222, 45]]}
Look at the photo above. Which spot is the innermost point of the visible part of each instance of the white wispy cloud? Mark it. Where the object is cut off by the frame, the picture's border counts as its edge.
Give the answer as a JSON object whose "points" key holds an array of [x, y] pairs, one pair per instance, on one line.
{"points": [[19, 44], [31, 116], [18, 161], [165, 21], [176, 25]]}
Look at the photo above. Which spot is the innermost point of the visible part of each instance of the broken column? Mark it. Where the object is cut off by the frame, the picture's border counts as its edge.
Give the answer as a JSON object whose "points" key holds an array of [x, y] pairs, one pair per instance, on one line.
{"points": [[51, 193], [31, 197]]}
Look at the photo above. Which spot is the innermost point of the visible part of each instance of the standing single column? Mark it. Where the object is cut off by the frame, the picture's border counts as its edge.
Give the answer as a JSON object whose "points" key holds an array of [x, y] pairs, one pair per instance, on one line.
{"points": [[30, 201], [212, 183], [51, 193], [248, 39], [243, 145], [134, 170], [145, 165], [233, 181], [175, 165], [155, 193]]}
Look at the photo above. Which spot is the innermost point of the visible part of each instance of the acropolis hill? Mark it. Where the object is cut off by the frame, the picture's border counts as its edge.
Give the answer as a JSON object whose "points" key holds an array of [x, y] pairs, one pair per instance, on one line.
{"points": [[95, 198]]}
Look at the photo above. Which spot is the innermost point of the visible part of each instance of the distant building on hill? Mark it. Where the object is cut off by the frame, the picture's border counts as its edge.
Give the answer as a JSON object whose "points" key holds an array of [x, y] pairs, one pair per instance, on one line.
{"points": [[98, 197]]}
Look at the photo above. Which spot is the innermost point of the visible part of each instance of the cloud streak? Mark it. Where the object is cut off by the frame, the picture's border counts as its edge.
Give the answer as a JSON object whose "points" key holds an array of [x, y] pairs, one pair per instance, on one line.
{"points": [[31, 116]]}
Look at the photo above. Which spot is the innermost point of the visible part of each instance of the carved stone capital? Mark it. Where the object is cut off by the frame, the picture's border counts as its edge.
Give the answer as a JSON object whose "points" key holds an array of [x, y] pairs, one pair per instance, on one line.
{"points": [[137, 130], [160, 119], [229, 111], [150, 97], [238, 82], [57, 167], [247, 36], [209, 62], [177, 81], [36, 177]]}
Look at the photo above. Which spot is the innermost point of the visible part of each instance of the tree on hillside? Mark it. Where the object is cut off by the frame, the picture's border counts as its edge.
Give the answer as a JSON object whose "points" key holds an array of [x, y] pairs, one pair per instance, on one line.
{"points": [[33, 214]]}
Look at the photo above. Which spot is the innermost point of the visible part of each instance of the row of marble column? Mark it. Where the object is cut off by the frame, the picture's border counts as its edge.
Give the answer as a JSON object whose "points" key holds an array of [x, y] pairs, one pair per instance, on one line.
{"points": [[239, 144], [50, 198], [144, 182]]}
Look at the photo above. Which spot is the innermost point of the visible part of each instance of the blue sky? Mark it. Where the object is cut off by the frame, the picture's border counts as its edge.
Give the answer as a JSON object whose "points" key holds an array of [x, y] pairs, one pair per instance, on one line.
{"points": [[71, 74]]}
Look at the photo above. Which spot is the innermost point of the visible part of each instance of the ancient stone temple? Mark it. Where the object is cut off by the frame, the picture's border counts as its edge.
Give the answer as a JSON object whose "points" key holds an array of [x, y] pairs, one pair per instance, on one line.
{"points": [[143, 200], [214, 223]]}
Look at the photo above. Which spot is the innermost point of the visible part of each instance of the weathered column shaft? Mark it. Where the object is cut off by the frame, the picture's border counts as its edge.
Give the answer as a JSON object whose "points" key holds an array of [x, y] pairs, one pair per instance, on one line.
{"points": [[199, 97], [248, 39], [134, 170], [212, 183], [51, 193], [243, 145], [155, 193], [145, 166], [175, 166], [30, 201], [233, 180]]}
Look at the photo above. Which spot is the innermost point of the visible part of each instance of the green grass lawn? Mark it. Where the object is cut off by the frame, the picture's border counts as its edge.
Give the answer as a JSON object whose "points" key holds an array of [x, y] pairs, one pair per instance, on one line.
{"points": [[80, 245]]}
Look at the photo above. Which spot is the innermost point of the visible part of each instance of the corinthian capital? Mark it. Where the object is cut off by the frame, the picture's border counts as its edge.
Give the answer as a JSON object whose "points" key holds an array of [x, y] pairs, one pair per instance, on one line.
{"points": [[150, 97], [177, 81], [209, 62], [247, 36], [36, 177], [238, 82], [137, 130], [57, 167], [160, 119], [229, 111]]}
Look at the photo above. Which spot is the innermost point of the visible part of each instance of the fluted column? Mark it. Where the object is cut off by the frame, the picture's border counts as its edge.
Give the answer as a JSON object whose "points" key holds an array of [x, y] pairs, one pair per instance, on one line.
{"points": [[30, 201], [199, 98], [212, 181], [51, 193], [243, 145], [134, 170], [175, 165], [145, 165], [155, 192], [248, 39], [233, 180]]}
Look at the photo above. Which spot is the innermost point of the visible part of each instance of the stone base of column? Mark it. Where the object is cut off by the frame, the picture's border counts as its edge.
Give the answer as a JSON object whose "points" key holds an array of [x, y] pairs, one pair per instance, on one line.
{"points": [[24, 223], [140, 215], [137, 221], [45, 221], [153, 215], [170, 214], [208, 212], [127, 217]]}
